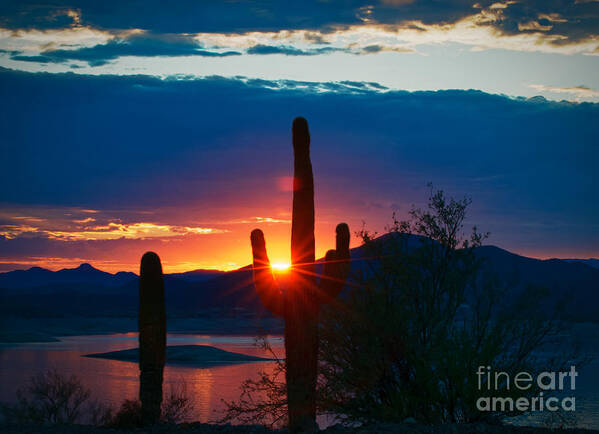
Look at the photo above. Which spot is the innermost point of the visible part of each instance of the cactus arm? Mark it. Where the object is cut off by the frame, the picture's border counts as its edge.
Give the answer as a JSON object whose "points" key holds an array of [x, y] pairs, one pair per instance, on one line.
{"points": [[336, 266], [302, 226], [269, 292]]}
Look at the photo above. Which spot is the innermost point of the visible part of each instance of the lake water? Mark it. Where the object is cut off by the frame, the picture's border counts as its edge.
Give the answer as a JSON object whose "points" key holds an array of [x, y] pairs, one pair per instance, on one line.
{"points": [[113, 381]]}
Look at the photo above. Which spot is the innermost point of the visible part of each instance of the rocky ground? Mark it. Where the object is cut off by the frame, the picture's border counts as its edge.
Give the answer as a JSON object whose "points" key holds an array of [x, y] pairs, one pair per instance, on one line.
{"points": [[200, 428]]}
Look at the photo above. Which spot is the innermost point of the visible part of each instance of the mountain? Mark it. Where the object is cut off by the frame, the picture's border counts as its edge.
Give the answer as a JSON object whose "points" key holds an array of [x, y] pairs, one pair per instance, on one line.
{"points": [[88, 291], [573, 285], [197, 275], [84, 275], [591, 261]]}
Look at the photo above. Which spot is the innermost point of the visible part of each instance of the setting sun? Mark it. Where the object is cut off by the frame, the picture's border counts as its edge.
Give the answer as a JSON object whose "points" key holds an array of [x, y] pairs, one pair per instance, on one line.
{"points": [[280, 266]]}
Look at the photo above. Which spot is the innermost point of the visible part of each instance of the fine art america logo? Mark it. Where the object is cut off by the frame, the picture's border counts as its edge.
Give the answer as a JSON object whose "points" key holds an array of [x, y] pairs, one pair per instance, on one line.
{"points": [[494, 381]]}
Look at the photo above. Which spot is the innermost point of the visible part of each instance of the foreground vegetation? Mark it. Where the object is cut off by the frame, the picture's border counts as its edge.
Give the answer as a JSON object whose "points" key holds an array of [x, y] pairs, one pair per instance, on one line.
{"points": [[201, 428], [421, 316], [54, 399]]}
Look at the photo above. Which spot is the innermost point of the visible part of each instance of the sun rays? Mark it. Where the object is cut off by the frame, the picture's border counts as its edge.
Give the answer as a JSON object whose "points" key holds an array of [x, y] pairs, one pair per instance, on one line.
{"points": [[280, 266]]}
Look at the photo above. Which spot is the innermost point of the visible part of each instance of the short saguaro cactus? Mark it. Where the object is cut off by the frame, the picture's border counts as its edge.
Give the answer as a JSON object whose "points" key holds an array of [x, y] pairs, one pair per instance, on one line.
{"points": [[152, 337]]}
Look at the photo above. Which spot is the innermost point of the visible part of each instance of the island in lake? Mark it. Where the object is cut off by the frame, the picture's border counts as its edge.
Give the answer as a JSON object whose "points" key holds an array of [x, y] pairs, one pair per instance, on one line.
{"points": [[191, 355]]}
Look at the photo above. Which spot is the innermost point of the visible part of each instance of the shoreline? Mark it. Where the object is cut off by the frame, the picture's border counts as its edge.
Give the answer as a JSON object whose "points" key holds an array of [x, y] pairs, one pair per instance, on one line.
{"points": [[19, 330]]}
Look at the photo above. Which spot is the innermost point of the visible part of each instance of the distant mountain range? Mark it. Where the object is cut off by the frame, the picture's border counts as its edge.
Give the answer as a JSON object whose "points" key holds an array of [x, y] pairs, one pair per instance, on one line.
{"points": [[85, 274], [86, 290]]}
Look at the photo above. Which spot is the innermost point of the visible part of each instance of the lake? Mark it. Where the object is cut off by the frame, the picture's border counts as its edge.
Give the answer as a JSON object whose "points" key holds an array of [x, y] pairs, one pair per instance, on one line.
{"points": [[113, 381]]}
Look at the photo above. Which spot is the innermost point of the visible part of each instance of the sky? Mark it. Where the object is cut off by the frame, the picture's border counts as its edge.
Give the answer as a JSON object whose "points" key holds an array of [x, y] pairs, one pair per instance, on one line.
{"points": [[135, 126]]}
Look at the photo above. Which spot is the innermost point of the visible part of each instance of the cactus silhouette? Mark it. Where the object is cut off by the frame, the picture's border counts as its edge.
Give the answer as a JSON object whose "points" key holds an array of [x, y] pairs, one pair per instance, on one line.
{"points": [[299, 303], [152, 337]]}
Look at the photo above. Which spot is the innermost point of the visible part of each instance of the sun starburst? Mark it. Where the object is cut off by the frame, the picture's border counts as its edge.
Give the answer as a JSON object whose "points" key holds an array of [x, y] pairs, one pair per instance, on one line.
{"points": [[280, 266]]}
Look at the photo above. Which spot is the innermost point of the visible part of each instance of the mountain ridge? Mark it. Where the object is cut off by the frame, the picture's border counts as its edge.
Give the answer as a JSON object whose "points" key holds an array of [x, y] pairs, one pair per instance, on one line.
{"points": [[86, 273], [207, 292], [209, 272]]}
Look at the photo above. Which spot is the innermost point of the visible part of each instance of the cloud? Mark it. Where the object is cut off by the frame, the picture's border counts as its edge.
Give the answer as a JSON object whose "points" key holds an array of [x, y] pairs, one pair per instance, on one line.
{"points": [[569, 21], [111, 231], [212, 150], [76, 224], [378, 48], [140, 45], [12, 53], [579, 92], [85, 220], [345, 86], [260, 220], [505, 24], [187, 16], [36, 40], [50, 47], [29, 218], [534, 25], [364, 85], [289, 50], [352, 48]]}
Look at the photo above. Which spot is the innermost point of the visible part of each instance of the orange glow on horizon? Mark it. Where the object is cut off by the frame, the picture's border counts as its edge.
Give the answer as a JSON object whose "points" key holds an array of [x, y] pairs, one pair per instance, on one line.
{"points": [[185, 239]]}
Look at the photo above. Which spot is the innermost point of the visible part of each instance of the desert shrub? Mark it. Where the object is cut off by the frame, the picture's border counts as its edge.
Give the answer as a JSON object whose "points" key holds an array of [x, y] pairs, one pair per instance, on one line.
{"points": [[98, 414], [176, 407], [420, 317], [52, 398], [262, 400], [128, 415], [49, 398]]}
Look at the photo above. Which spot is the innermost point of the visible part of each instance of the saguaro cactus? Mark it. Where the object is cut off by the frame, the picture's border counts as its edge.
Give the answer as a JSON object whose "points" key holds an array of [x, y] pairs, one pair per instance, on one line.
{"points": [[299, 304], [152, 337]]}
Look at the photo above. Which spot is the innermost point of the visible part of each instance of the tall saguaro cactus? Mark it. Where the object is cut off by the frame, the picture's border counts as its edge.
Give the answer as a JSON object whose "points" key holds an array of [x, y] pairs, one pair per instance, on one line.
{"points": [[152, 337], [299, 304]]}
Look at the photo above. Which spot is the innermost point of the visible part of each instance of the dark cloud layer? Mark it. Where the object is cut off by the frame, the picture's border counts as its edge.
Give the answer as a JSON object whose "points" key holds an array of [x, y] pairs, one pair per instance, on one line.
{"points": [[137, 141], [186, 16], [575, 20], [290, 51], [171, 46], [135, 45], [153, 46]]}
